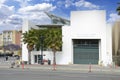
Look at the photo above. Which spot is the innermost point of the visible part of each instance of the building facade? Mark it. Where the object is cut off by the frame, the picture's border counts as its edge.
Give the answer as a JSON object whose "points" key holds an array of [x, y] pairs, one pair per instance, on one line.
{"points": [[87, 40], [116, 42], [8, 37], [11, 37], [1, 43], [1, 40], [116, 38]]}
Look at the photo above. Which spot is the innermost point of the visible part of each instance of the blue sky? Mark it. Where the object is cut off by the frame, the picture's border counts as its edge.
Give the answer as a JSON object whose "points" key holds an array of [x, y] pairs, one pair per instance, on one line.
{"points": [[13, 11]]}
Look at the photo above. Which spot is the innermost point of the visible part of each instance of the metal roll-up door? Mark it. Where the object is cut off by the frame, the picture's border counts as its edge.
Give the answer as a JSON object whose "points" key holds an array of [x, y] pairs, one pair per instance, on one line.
{"points": [[86, 53]]}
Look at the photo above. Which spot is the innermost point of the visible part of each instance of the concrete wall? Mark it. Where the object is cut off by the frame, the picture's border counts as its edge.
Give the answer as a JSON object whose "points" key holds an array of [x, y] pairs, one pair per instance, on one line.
{"points": [[85, 25], [109, 43], [27, 25], [48, 55], [116, 38]]}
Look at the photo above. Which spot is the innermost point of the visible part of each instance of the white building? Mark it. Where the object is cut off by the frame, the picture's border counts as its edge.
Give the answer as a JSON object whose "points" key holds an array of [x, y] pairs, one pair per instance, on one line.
{"points": [[88, 40]]}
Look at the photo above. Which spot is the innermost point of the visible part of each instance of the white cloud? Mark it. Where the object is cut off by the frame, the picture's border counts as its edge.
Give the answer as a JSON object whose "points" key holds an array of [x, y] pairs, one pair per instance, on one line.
{"points": [[6, 11], [60, 3], [8, 27], [113, 17], [68, 3], [14, 19], [37, 8], [48, 0], [86, 4], [36, 13], [2, 1], [23, 3], [38, 18], [78, 4]]}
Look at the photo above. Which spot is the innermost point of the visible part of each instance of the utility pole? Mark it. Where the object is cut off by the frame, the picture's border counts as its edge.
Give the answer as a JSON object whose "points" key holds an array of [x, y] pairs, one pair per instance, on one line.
{"points": [[41, 40]]}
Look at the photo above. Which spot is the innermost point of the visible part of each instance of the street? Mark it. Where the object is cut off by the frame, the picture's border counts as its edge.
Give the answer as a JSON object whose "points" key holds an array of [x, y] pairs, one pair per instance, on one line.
{"points": [[28, 74]]}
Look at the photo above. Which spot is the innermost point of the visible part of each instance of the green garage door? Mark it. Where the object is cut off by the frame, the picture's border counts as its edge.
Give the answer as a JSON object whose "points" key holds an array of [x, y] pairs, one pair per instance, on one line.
{"points": [[86, 51]]}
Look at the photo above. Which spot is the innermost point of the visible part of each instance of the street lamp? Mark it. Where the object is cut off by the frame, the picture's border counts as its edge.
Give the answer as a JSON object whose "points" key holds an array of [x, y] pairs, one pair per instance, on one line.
{"points": [[41, 40]]}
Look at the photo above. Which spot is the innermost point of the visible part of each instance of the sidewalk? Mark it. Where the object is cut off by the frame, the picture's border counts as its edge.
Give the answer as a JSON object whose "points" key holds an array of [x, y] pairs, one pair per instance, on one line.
{"points": [[72, 67], [86, 68]]}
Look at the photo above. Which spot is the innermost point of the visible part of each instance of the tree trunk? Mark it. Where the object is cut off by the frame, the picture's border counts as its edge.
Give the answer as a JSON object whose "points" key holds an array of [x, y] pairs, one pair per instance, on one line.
{"points": [[29, 57], [30, 48]]}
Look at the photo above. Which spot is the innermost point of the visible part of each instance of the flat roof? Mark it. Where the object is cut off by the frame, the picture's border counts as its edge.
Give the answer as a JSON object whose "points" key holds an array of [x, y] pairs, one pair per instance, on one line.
{"points": [[49, 26]]}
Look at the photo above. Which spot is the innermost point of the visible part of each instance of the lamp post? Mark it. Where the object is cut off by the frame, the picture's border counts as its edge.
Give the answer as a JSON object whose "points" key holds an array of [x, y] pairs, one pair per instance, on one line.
{"points": [[41, 40]]}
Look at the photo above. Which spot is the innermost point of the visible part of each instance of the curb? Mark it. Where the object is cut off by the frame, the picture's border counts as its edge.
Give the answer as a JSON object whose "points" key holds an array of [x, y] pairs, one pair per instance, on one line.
{"points": [[65, 68]]}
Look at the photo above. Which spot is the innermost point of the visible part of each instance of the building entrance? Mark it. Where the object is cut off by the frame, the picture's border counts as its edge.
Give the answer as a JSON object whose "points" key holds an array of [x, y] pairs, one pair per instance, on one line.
{"points": [[85, 51], [38, 59]]}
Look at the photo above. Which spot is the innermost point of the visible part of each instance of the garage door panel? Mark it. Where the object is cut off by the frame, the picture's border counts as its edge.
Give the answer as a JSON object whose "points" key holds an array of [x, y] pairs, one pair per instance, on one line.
{"points": [[86, 54]]}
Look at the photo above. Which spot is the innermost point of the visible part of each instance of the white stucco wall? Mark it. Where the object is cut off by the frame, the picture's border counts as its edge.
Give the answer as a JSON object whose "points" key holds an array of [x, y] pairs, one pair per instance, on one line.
{"points": [[27, 25], [48, 55], [109, 43], [85, 25]]}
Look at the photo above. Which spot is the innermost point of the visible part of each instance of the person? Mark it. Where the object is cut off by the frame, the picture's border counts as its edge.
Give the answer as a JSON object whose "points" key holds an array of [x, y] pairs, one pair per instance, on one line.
{"points": [[17, 57], [17, 63], [12, 64], [6, 58], [49, 62]]}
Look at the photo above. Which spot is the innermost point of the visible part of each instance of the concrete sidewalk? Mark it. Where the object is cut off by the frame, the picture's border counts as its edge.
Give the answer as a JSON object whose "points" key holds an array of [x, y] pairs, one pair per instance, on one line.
{"points": [[72, 67], [86, 68]]}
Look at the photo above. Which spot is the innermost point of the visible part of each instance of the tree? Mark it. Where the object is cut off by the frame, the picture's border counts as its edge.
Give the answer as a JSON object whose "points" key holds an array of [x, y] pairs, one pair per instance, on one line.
{"points": [[39, 33], [54, 41], [118, 9], [12, 47], [30, 39]]}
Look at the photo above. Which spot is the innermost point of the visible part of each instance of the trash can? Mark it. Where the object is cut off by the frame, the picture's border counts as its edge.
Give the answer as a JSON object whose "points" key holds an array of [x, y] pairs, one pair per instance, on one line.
{"points": [[49, 62]]}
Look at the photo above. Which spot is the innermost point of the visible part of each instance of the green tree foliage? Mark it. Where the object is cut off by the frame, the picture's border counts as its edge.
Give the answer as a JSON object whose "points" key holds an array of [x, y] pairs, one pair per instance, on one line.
{"points": [[39, 33], [118, 9], [30, 39], [52, 40]]}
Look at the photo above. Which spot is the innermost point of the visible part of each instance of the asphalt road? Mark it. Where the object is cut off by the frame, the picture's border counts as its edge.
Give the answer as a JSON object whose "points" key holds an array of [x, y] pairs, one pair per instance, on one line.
{"points": [[27, 74]]}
